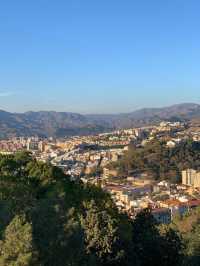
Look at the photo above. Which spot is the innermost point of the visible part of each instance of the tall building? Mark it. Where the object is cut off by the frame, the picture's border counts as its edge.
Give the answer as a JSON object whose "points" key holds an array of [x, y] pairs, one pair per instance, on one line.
{"points": [[197, 180], [32, 145], [41, 146], [191, 177]]}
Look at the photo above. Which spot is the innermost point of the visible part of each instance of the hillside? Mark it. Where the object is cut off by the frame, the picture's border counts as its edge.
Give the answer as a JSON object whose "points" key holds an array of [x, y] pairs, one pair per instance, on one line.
{"points": [[59, 124], [146, 116], [48, 220], [46, 124]]}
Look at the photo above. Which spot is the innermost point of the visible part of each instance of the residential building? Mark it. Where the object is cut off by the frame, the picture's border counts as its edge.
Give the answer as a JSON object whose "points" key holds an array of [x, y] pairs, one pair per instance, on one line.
{"points": [[191, 177]]}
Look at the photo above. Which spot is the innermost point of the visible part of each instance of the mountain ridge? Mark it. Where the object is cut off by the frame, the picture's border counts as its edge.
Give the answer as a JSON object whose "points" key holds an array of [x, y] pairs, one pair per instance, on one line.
{"points": [[60, 124]]}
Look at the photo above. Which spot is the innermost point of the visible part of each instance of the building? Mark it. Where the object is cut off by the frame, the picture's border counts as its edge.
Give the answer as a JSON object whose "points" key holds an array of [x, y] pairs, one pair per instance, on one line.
{"points": [[191, 177], [171, 144], [32, 145], [175, 206], [162, 215]]}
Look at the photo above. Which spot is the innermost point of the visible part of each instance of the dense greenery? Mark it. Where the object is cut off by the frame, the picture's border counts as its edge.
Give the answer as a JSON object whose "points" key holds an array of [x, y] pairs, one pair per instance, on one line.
{"points": [[160, 161], [47, 220], [189, 228]]}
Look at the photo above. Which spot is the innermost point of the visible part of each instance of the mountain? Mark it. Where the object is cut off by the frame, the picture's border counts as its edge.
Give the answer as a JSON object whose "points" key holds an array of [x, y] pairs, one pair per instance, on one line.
{"points": [[60, 124], [46, 123], [146, 116]]}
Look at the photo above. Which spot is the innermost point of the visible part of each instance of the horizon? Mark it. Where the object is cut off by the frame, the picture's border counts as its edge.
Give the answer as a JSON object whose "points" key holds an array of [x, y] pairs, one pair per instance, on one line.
{"points": [[102, 57], [85, 114]]}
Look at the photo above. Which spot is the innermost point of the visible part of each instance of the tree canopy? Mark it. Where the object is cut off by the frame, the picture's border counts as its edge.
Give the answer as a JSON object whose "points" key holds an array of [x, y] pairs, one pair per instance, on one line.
{"points": [[48, 220], [160, 161]]}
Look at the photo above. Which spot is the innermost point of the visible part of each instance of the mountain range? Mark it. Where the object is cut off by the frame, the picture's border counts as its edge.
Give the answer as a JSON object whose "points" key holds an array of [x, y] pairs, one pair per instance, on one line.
{"points": [[60, 124]]}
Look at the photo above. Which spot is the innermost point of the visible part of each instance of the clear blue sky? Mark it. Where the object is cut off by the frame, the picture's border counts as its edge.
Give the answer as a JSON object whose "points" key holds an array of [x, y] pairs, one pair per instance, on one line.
{"points": [[98, 56]]}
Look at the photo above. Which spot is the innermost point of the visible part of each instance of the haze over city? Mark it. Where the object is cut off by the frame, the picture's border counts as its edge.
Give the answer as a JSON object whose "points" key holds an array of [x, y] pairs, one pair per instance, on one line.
{"points": [[98, 56]]}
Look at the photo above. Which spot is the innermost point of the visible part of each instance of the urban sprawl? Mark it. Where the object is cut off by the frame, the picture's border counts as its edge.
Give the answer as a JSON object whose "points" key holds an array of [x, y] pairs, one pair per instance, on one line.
{"points": [[88, 158]]}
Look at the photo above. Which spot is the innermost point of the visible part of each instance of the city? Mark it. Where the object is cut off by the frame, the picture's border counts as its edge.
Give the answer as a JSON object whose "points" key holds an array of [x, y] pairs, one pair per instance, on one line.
{"points": [[99, 133], [87, 159]]}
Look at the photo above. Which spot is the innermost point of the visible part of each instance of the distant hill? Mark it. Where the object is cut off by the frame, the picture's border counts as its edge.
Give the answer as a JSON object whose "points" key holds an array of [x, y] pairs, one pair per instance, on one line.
{"points": [[46, 124], [60, 124], [146, 116]]}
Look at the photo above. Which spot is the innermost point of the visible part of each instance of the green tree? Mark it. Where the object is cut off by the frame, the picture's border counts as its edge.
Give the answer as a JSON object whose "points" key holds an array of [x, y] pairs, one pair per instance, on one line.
{"points": [[17, 248], [154, 246], [146, 239], [172, 247], [192, 241], [100, 230]]}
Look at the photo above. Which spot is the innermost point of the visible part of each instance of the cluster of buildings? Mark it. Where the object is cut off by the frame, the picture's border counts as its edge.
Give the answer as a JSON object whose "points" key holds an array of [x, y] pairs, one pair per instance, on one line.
{"points": [[164, 199], [87, 158], [15, 144], [7, 146], [78, 156], [170, 126]]}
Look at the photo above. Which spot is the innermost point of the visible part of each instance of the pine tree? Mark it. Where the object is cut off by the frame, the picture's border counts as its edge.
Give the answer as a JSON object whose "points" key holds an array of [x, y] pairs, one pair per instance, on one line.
{"points": [[16, 248]]}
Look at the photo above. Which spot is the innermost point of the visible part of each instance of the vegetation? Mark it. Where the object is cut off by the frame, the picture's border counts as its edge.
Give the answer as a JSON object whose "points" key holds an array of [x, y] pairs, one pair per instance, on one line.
{"points": [[159, 161], [189, 228], [47, 220]]}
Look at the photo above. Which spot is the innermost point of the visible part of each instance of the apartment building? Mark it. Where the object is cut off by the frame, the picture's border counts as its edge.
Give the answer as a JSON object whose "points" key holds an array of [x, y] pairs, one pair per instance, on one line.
{"points": [[191, 177]]}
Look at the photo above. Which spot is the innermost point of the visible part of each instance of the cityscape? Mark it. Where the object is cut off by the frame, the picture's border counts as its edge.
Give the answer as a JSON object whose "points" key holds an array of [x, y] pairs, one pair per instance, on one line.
{"points": [[88, 158], [99, 133]]}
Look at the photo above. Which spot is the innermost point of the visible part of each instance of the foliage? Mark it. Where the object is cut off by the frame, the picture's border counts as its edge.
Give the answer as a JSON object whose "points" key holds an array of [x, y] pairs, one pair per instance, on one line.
{"points": [[160, 161], [100, 231], [16, 248], [47, 220], [152, 246], [189, 227]]}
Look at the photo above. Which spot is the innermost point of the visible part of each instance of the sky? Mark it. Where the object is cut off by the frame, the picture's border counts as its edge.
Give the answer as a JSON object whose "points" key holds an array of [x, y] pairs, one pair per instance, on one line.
{"points": [[98, 56]]}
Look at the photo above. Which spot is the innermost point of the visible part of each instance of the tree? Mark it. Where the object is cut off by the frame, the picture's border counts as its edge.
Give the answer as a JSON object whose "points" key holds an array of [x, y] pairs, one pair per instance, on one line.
{"points": [[17, 248], [100, 230], [156, 245], [146, 239], [193, 246], [172, 247], [72, 224], [159, 161]]}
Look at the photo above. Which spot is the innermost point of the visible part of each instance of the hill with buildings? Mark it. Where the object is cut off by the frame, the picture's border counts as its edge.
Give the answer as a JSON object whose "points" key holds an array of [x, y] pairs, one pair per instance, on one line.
{"points": [[59, 124], [46, 219]]}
